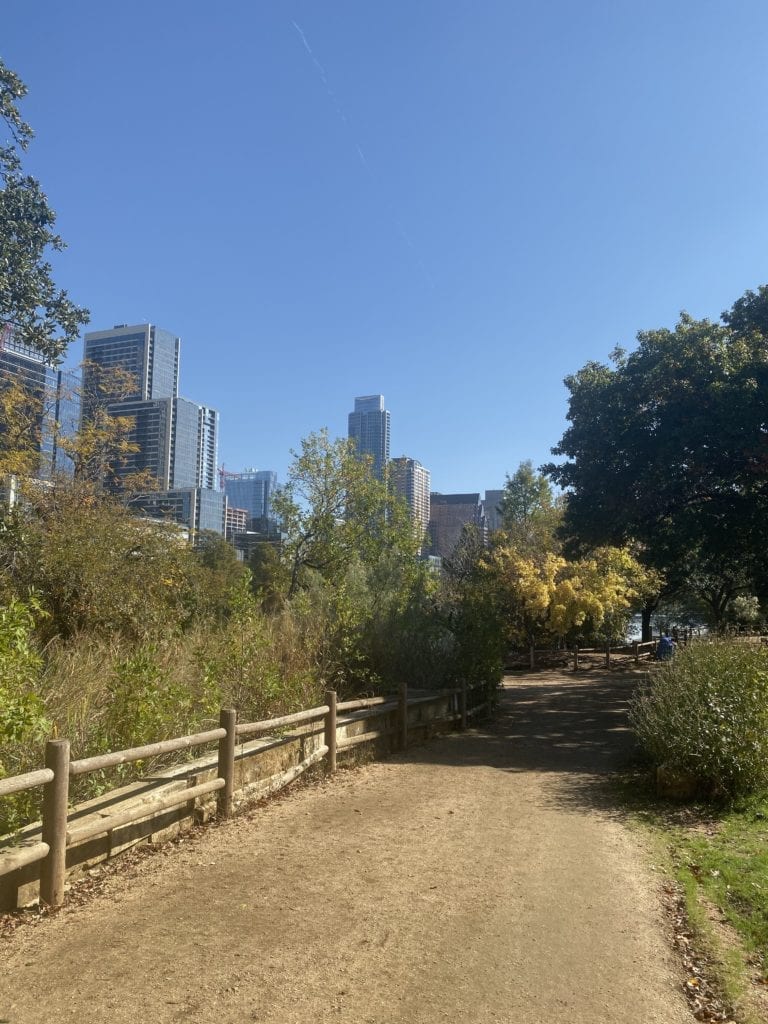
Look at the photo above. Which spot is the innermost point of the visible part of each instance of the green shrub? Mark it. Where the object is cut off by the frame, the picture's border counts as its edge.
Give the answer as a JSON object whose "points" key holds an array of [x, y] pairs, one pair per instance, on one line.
{"points": [[706, 713], [23, 722]]}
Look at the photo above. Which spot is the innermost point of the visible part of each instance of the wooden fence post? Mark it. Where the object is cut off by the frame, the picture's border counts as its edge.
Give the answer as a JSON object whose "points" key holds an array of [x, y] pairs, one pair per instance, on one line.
{"points": [[463, 704], [608, 654], [226, 769], [636, 652], [330, 729], [55, 802], [402, 715], [576, 658]]}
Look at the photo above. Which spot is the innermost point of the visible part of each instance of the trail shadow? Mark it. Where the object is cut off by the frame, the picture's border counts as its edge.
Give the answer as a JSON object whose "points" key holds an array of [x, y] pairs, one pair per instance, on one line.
{"points": [[575, 728]]}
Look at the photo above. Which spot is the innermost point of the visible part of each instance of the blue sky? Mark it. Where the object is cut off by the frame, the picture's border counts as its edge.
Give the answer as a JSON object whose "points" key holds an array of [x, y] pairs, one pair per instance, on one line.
{"points": [[454, 203]]}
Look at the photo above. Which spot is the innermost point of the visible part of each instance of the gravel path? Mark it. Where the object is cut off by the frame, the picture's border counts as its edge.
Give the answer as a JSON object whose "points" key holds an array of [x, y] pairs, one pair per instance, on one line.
{"points": [[485, 877]]}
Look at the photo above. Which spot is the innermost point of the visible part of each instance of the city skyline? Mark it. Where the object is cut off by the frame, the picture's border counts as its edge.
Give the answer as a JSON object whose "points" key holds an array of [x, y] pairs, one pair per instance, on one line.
{"points": [[133, 371], [487, 198], [152, 355]]}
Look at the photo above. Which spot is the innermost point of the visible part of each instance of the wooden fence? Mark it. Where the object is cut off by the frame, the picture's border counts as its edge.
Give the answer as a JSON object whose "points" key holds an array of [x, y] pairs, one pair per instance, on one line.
{"points": [[45, 852], [634, 650]]}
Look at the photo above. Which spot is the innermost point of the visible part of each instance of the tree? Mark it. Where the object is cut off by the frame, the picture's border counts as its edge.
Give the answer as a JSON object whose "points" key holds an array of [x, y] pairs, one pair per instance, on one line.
{"points": [[97, 569], [333, 510], [546, 596], [96, 450], [21, 418], [30, 304], [529, 511], [667, 450], [99, 448]]}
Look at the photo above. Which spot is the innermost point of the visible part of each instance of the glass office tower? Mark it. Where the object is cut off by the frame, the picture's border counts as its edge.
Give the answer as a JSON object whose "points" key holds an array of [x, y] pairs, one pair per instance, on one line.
{"points": [[176, 439], [252, 490], [369, 429], [147, 353]]}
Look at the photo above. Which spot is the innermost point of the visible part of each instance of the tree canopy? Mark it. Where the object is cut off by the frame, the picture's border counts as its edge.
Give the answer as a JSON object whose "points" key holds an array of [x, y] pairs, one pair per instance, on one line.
{"points": [[530, 513], [333, 510], [31, 305], [667, 450]]}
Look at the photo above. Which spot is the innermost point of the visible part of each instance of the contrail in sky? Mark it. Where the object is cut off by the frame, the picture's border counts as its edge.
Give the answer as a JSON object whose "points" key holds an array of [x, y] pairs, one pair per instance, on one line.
{"points": [[341, 114], [308, 48]]}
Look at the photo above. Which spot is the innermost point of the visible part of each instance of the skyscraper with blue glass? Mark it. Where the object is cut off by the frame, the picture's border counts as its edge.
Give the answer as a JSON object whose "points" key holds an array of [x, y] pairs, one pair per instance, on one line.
{"points": [[252, 490], [146, 354], [175, 439], [369, 429]]}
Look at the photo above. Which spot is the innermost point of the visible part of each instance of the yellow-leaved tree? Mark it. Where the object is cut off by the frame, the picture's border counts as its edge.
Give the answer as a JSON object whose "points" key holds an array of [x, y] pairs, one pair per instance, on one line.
{"points": [[544, 597]]}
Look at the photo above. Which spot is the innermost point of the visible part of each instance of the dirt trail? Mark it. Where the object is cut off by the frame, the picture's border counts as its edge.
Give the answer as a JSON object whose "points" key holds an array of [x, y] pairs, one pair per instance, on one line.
{"points": [[483, 878]]}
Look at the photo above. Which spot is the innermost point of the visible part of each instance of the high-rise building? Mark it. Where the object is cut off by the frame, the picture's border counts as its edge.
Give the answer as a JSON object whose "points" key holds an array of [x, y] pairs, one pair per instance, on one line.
{"points": [[176, 439], [492, 505], [236, 521], [449, 514], [369, 429], [207, 446], [252, 490], [53, 410], [411, 480], [194, 445], [148, 354], [196, 508]]}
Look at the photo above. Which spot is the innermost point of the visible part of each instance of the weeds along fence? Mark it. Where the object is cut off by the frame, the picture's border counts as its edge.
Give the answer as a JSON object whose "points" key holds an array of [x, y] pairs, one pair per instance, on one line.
{"points": [[250, 760]]}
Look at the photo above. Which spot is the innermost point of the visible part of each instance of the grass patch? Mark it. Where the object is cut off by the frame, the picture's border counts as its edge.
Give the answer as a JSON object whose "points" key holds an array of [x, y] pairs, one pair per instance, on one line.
{"points": [[726, 862], [718, 856]]}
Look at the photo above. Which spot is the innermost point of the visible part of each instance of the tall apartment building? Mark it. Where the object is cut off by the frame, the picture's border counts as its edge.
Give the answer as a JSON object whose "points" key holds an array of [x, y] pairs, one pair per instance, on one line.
{"points": [[368, 427], [147, 353], [176, 439], [411, 481], [194, 445], [252, 490], [449, 514], [54, 402]]}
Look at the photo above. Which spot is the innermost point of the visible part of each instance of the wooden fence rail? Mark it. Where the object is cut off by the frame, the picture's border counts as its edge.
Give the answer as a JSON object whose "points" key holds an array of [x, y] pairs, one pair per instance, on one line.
{"points": [[18, 783], [61, 832], [635, 649], [254, 728]]}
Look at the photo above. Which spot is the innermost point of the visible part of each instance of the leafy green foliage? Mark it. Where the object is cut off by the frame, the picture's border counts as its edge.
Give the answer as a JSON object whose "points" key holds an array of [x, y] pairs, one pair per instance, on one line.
{"points": [[667, 450], [334, 511], [42, 315], [706, 712], [22, 715], [98, 569], [473, 614], [147, 701], [531, 515], [23, 720]]}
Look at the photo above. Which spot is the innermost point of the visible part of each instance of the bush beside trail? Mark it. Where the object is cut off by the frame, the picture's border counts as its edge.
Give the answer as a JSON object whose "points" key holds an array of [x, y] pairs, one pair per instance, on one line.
{"points": [[705, 714]]}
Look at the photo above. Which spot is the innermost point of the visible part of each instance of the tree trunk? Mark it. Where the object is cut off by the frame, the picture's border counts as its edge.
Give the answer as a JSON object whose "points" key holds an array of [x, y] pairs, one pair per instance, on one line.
{"points": [[532, 653], [646, 613]]}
